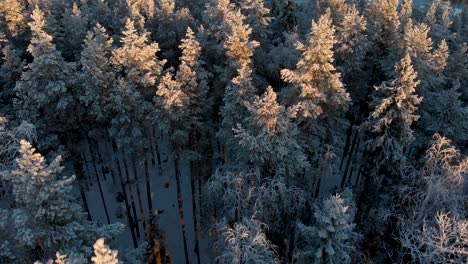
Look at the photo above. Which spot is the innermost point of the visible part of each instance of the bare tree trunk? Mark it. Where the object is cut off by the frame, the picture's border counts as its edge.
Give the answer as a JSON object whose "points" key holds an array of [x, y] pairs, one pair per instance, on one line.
{"points": [[154, 139], [109, 162], [194, 199], [140, 202], [350, 157], [354, 159], [78, 168], [84, 165], [148, 183], [99, 185], [349, 133], [177, 160], [131, 222], [132, 197]]}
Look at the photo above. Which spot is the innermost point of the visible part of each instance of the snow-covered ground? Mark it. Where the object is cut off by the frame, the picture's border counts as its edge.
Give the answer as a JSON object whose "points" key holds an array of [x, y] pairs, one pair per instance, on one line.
{"points": [[164, 199]]}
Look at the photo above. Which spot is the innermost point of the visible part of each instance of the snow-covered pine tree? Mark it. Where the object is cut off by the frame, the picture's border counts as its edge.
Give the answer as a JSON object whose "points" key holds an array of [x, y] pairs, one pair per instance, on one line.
{"points": [[12, 17], [74, 25], [168, 27], [350, 52], [245, 242], [389, 124], [97, 77], [45, 93], [47, 217], [257, 17], [233, 110], [10, 71], [319, 89], [267, 139], [317, 92], [137, 61], [330, 238], [103, 254]]}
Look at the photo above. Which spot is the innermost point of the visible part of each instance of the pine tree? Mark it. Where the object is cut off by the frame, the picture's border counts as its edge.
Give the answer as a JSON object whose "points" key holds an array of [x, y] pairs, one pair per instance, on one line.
{"points": [[329, 239], [74, 25], [351, 48], [319, 89], [137, 60], [44, 94], [103, 254], [268, 139], [12, 14], [257, 17], [406, 11], [394, 105], [47, 217], [246, 242], [97, 76], [443, 112], [10, 70], [317, 93]]}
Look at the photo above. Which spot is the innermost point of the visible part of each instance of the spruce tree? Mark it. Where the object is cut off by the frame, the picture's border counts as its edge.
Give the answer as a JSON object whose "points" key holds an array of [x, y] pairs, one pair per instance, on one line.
{"points": [[12, 17]]}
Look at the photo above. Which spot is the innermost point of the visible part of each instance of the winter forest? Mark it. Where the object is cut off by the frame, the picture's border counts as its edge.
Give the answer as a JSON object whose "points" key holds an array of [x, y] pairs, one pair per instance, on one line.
{"points": [[233, 131]]}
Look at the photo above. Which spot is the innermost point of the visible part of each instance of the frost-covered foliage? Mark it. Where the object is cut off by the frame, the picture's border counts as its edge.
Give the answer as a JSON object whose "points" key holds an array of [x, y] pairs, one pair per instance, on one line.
{"points": [[44, 94], [10, 70], [331, 238], [245, 242], [318, 85], [103, 254], [426, 232], [97, 76], [230, 195], [268, 138], [136, 59], [389, 124], [47, 216], [277, 203], [13, 17]]}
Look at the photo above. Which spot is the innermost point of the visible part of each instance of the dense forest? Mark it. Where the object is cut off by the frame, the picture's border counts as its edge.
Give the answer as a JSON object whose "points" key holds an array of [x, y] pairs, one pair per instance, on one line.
{"points": [[233, 131]]}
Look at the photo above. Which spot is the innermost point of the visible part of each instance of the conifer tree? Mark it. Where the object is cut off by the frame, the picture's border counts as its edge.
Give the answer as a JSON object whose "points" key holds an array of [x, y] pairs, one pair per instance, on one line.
{"points": [[45, 93], [12, 17], [47, 216], [268, 139], [351, 48], [318, 85], [103, 254], [137, 60], [74, 25], [329, 239], [10, 70], [246, 242], [97, 76], [317, 92], [257, 17], [394, 105]]}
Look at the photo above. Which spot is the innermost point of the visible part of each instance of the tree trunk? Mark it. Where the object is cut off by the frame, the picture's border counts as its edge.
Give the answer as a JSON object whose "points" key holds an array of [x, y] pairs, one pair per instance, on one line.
{"points": [[177, 160], [132, 197], [109, 162], [154, 139], [131, 223], [148, 183], [349, 133], [140, 202], [77, 166], [194, 199], [99, 183], [350, 157]]}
